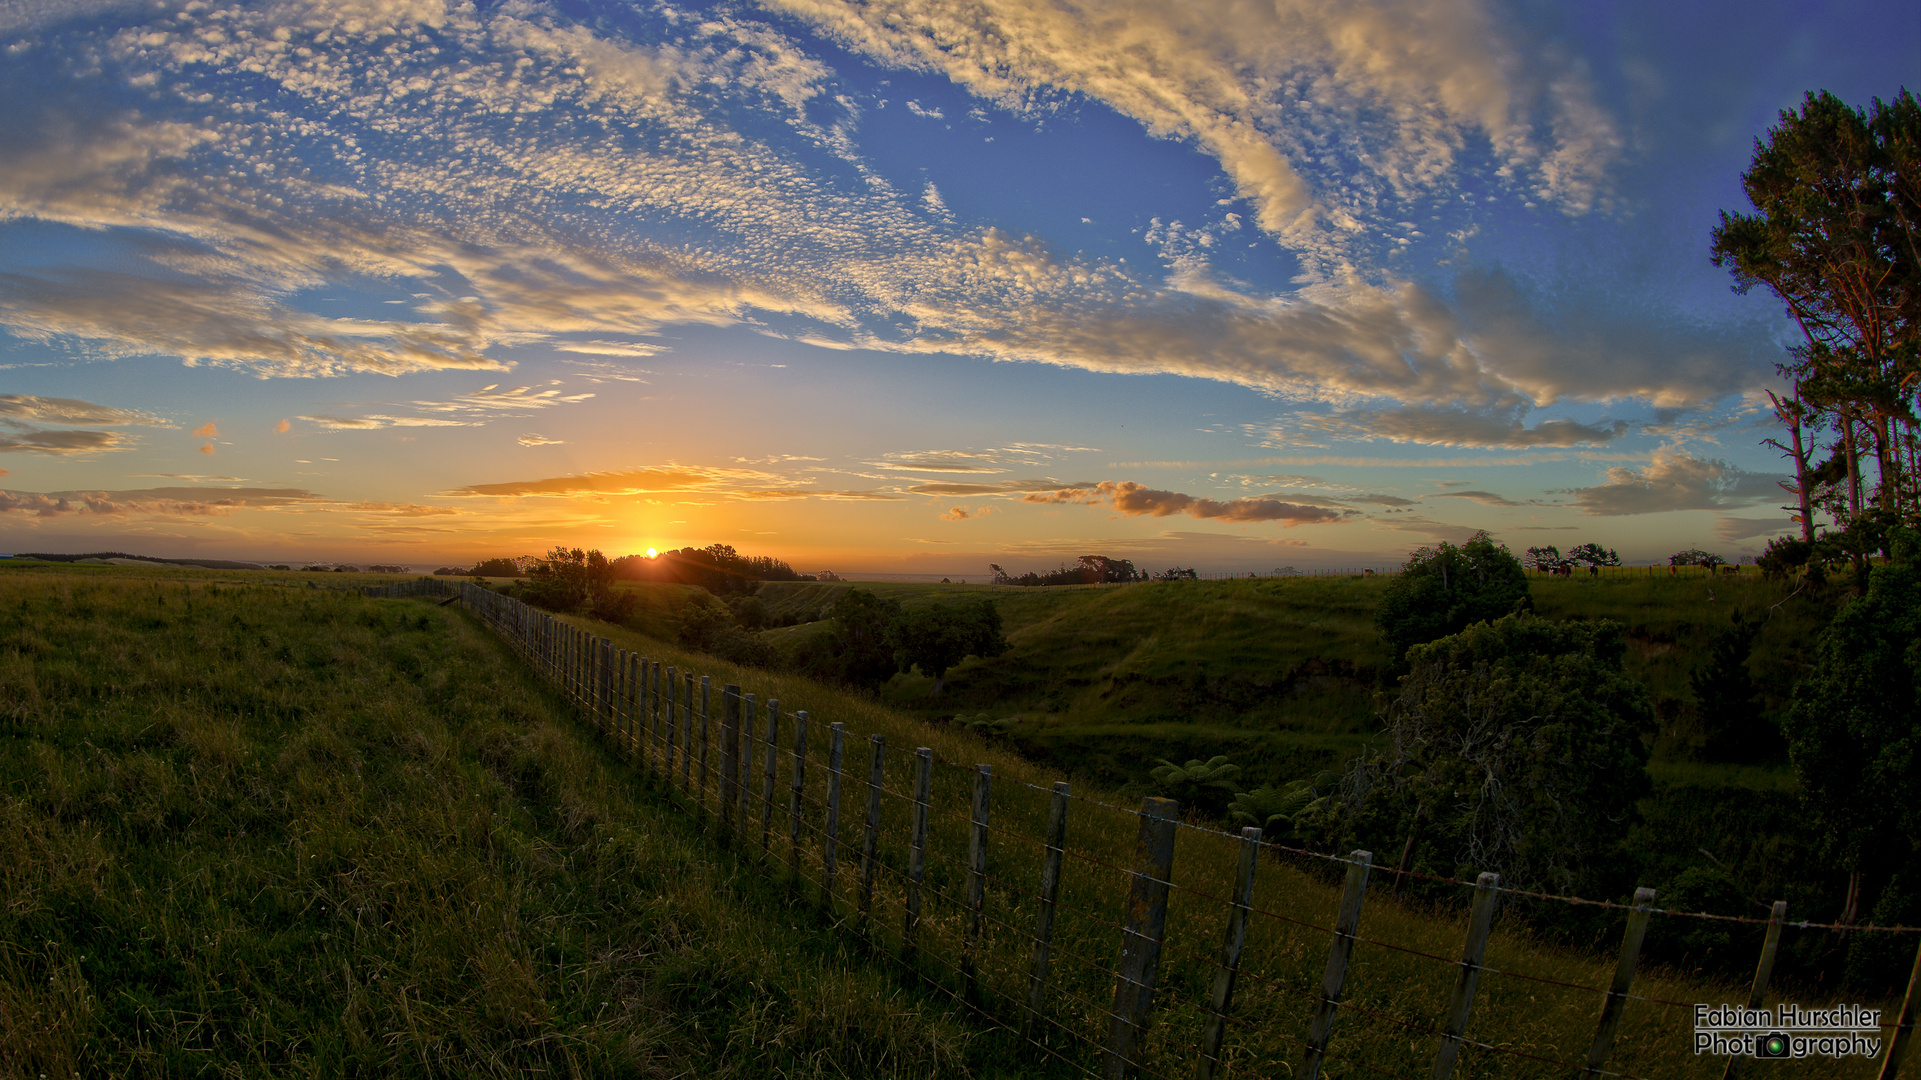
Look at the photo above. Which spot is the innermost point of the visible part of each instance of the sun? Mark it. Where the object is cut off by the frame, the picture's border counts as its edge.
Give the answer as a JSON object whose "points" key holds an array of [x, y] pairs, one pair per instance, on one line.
{"points": [[651, 553]]}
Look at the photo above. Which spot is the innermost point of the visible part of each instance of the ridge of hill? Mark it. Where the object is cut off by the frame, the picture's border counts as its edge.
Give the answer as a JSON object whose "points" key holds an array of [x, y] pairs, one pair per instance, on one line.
{"points": [[112, 557]]}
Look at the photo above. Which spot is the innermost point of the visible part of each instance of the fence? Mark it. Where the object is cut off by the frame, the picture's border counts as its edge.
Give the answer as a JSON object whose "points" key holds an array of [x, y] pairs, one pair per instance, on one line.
{"points": [[1067, 920]]}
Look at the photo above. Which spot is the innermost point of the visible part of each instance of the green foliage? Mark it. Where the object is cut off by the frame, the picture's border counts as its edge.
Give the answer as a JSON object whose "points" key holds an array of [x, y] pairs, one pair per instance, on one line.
{"points": [[707, 625], [1594, 555], [1854, 730], [1276, 810], [1514, 746], [1544, 558], [1201, 785], [567, 578], [1727, 701], [1784, 556], [1696, 557], [864, 653], [1443, 589], [937, 636]]}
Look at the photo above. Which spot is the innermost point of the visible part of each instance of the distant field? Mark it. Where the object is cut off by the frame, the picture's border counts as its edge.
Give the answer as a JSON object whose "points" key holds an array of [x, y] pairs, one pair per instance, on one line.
{"points": [[1280, 673]]}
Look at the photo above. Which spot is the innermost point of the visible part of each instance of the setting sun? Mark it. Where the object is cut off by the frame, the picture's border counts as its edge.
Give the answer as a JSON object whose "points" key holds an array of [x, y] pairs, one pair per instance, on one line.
{"points": [[651, 553]]}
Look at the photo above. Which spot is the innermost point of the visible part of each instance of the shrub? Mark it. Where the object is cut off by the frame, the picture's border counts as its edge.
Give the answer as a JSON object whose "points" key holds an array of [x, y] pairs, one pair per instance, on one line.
{"points": [[1443, 589]]}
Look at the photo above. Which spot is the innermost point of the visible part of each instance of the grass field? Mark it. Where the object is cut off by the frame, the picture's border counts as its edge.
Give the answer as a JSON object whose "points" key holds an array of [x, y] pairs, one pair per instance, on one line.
{"points": [[251, 828], [1282, 674], [1400, 989]]}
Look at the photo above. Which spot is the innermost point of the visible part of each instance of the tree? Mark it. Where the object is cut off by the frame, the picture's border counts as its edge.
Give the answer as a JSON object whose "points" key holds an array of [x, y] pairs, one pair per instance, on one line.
{"points": [[1515, 746], [1854, 727], [1727, 701], [864, 651], [1594, 555], [501, 567], [1837, 200], [1443, 589], [1545, 559], [938, 636], [1696, 557], [1206, 785], [568, 578]]}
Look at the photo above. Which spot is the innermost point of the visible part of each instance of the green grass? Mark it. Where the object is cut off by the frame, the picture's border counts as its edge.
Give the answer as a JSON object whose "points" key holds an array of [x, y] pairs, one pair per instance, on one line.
{"points": [[251, 829], [1285, 956], [1283, 674]]}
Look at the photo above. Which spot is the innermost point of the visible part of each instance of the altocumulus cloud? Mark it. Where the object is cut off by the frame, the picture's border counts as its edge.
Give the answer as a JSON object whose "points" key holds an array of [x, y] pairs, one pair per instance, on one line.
{"points": [[78, 425], [399, 141], [1675, 481], [1132, 500]]}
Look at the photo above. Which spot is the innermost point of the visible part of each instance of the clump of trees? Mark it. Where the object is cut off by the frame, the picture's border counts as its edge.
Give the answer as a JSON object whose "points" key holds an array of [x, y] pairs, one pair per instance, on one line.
{"points": [[871, 638], [1696, 557], [1443, 589], [1836, 193], [1550, 560], [1087, 570], [718, 568], [1516, 746]]}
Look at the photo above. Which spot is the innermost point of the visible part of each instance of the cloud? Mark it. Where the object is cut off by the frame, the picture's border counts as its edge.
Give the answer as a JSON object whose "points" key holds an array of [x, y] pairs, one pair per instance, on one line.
{"points": [[1132, 500], [1676, 481], [531, 439], [962, 513], [1005, 487], [72, 412], [1393, 92], [1485, 498], [954, 461], [283, 427], [1462, 427], [161, 502], [208, 449], [406, 510], [609, 348], [206, 431], [26, 440], [1733, 530]]}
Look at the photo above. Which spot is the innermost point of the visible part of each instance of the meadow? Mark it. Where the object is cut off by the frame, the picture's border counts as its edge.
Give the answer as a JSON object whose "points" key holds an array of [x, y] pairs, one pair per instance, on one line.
{"points": [[260, 826], [252, 827]]}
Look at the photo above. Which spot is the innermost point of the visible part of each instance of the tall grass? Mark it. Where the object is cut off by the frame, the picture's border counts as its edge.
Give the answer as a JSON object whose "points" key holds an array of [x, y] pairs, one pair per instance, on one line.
{"points": [[249, 829], [1543, 1003]]}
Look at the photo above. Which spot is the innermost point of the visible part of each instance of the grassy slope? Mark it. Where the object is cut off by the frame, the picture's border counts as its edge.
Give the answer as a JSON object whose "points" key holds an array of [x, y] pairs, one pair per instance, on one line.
{"points": [[1286, 958], [246, 829], [1280, 673]]}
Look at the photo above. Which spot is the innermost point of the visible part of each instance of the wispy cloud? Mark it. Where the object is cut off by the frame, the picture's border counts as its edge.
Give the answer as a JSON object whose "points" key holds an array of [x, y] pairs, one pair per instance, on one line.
{"points": [[160, 502], [1131, 499]]}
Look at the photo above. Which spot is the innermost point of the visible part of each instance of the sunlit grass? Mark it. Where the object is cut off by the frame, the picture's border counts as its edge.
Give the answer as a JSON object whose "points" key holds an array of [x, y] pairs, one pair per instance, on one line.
{"points": [[253, 829]]}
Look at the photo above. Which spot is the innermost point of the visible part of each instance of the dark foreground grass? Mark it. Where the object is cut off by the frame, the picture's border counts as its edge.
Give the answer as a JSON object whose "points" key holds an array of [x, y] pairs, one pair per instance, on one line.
{"points": [[254, 829]]}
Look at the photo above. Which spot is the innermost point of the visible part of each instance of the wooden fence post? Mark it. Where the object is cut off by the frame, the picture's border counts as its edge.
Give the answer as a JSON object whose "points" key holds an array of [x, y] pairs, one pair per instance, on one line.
{"points": [[917, 850], [1903, 1027], [870, 843], [830, 842], [1480, 917], [687, 739], [706, 685], [1146, 923], [744, 766], [653, 749], [1223, 997], [794, 792], [669, 745], [769, 756], [1762, 971], [1044, 918], [976, 878], [1617, 996], [1334, 981], [604, 686], [729, 750]]}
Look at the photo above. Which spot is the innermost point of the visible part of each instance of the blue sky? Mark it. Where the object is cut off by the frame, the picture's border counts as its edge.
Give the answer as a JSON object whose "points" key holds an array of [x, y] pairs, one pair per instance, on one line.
{"points": [[910, 285]]}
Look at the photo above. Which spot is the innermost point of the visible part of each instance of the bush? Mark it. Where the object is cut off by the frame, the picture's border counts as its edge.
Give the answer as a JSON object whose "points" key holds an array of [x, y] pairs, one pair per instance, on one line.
{"points": [[1443, 589], [1515, 746], [936, 637], [1783, 556], [1201, 785]]}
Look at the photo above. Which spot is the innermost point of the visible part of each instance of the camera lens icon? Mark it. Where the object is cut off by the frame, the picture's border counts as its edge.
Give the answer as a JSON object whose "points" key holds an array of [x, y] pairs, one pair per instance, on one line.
{"points": [[1772, 1045]]}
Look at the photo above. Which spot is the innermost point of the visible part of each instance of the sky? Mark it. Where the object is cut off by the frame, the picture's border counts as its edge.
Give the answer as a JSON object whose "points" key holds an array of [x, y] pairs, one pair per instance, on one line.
{"points": [[902, 286]]}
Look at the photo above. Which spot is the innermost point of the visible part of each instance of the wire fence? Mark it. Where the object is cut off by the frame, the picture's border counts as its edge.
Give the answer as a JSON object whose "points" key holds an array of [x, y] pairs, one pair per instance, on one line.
{"points": [[1073, 923]]}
